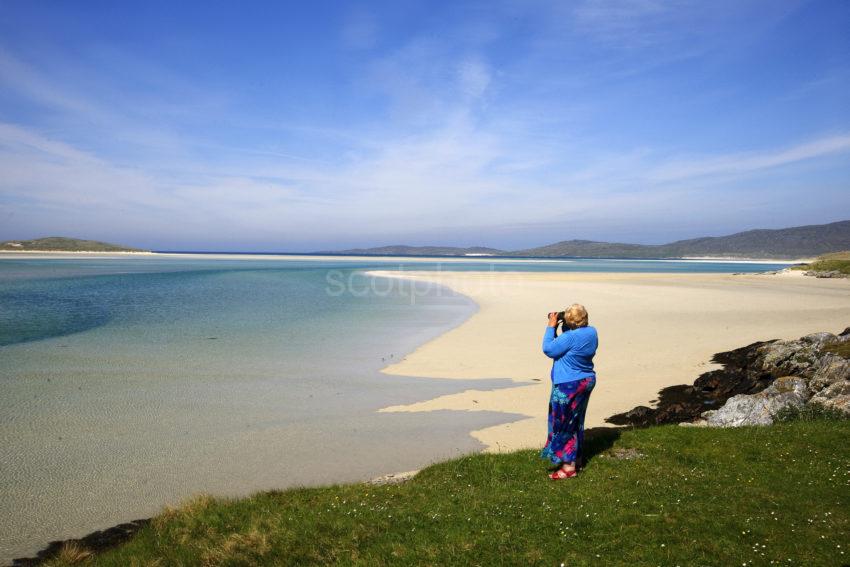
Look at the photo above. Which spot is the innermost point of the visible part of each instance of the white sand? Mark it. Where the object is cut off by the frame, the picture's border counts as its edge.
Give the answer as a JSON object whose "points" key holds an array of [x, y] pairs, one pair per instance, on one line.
{"points": [[656, 330]]}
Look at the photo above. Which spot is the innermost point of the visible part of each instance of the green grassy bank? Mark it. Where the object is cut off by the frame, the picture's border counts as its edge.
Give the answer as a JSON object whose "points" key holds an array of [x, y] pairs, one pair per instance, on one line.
{"points": [[836, 262], [667, 495]]}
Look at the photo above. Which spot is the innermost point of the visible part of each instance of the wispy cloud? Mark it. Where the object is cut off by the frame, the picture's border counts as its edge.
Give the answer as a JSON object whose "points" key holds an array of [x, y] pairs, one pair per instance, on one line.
{"points": [[736, 164], [628, 22], [20, 77], [86, 104], [474, 77]]}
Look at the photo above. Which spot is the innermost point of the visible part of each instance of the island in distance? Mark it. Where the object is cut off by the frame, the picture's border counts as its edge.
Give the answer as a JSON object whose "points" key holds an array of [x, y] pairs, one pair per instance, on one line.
{"points": [[785, 243], [63, 244]]}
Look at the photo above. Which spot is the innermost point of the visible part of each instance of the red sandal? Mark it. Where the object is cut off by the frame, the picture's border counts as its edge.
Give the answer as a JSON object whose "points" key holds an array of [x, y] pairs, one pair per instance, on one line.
{"points": [[561, 474]]}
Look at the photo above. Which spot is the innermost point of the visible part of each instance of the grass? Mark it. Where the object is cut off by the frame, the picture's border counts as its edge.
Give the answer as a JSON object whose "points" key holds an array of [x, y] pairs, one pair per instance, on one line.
{"points": [[837, 261], [809, 412], [665, 495]]}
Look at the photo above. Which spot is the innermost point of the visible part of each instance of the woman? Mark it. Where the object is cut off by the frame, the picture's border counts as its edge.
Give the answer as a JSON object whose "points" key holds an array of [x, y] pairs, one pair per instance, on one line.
{"points": [[573, 379]]}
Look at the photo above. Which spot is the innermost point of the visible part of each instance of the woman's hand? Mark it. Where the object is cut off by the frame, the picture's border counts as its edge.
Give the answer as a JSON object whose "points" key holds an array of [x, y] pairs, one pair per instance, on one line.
{"points": [[553, 319]]}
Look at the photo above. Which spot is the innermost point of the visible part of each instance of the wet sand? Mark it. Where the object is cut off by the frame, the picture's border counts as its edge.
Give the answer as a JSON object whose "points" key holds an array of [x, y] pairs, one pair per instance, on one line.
{"points": [[656, 330]]}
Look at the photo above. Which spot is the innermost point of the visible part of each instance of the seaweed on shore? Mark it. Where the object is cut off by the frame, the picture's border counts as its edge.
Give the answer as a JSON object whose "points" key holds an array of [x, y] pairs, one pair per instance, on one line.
{"points": [[93, 543]]}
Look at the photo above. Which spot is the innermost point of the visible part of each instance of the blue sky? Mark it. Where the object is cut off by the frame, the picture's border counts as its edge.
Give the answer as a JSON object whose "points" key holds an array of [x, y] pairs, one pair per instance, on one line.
{"points": [[319, 125]]}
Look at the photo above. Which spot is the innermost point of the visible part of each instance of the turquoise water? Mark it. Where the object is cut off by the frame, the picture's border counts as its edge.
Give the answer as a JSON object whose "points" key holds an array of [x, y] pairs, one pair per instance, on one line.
{"points": [[55, 297], [44, 298], [127, 384]]}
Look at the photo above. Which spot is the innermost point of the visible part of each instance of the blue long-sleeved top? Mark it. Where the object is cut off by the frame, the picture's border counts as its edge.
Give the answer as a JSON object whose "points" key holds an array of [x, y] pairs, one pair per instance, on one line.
{"points": [[572, 353]]}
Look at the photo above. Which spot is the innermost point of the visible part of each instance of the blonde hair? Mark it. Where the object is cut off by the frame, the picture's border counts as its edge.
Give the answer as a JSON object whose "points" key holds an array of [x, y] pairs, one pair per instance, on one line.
{"points": [[575, 316]]}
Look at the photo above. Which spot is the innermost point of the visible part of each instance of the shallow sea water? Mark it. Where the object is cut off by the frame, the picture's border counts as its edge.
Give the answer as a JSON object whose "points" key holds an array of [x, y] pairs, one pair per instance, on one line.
{"points": [[129, 384]]}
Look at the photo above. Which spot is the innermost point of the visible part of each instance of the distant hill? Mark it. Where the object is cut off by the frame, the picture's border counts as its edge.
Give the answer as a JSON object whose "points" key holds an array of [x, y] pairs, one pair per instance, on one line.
{"points": [[784, 243], [591, 249], [62, 244], [401, 250], [796, 242]]}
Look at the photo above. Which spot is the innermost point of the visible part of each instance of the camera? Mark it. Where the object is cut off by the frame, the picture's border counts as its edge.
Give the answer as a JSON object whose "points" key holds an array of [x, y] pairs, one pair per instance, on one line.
{"points": [[560, 315]]}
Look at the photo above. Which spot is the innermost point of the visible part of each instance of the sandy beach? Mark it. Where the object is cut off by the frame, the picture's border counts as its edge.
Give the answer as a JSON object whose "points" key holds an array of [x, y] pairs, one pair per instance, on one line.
{"points": [[656, 330]]}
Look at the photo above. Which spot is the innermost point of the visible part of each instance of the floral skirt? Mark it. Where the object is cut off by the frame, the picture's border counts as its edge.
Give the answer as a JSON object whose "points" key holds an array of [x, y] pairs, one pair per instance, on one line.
{"points": [[567, 406]]}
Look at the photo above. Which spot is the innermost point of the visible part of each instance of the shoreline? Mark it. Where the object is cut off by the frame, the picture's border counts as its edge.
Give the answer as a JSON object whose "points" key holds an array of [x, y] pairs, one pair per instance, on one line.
{"points": [[32, 254], [726, 260], [693, 317]]}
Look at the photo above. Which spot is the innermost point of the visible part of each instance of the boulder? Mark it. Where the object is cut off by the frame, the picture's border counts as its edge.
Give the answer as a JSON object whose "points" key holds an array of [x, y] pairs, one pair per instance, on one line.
{"points": [[827, 274], [831, 369], [819, 339], [822, 274], [797, 358], [759, 408], [835, 396]]}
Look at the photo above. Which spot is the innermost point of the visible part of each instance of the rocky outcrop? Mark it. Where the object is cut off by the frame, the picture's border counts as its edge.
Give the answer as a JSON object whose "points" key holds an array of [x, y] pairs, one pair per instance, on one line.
{"points": [[756, 382], [813, 373], [836, 396], [832, 368], [759, 409], [827, 274], [741, 373]]}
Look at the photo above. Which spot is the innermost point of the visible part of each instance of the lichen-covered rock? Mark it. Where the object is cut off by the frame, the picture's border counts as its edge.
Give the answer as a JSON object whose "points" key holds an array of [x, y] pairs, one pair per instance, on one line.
{"points": [[835, 396], [832, 369], [819, 339], [788, 385], [797, 358], [759, 409]]}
